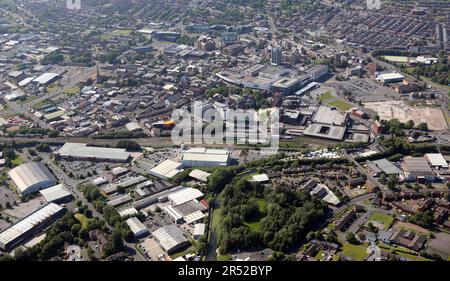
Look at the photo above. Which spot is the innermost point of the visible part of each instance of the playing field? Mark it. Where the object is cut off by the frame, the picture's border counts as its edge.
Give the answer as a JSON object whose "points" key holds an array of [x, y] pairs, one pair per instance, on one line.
{"points": [[398, 59]]}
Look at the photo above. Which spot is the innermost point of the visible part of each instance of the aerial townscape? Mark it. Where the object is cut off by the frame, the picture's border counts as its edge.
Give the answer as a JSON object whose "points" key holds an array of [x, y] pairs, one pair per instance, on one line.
{"points": [[121, 137]]}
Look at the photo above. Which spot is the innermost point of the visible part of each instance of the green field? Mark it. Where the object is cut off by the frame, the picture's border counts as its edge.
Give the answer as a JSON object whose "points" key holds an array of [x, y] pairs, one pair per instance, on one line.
{"points": [[382, 218], [341, 105], [326, 96], [83, 220], [355, 252], [399, 59], [17, 161], [72, 90]]}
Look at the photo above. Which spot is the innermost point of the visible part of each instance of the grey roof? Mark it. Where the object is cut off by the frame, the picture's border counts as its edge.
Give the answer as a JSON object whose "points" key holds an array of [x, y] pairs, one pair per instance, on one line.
{"points": [[137, 227], [325, 131], [29, 223], [169, 237], [387, 167], [81, 150], [32, 176]]}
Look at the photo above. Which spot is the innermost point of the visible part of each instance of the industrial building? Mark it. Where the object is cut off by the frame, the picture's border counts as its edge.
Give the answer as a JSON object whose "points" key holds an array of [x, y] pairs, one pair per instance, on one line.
{"points": [[199, 175], [128, 211], [202, 157], [417, 168], [327, 123], [120, 200], [56, 194], [28, 227], [138, 228], [199, 230], [184, 195], [32, 177], [388, 78], [46, 79], [436, 160], [83, 152], [166, 169], [387, 167], [171, 238]]}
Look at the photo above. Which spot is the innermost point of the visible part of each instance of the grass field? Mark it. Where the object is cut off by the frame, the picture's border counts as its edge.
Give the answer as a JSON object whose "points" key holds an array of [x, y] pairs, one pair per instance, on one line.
{"points": [[72, 90], [341, 105], [382, 218], [52, 88], [326, 96], [83, 220], [399, 59], [17, 161], [355, 252]]}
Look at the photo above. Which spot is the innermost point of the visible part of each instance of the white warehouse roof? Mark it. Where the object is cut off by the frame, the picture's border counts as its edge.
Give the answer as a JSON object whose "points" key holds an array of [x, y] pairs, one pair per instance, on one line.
{"points": [[31, 177], [436, 160], [46, 78], [184, 195], [55, 193], [137, 227], [166, 169], [200, 175], [81, 150]]}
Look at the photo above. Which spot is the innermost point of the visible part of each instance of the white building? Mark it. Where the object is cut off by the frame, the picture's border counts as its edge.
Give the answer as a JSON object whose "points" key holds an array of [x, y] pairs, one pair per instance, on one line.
{"points": [[137, 227], [436, 160], [184, 195], [32, 177], [166, 169], [202, 157]]}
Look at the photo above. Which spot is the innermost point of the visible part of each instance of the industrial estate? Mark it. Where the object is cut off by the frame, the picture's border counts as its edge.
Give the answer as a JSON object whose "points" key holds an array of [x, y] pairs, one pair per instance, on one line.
{"points": [[354, 165]]}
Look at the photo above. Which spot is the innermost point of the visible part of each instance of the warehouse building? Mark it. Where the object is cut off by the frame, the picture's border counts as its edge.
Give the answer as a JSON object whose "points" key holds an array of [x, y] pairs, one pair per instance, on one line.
{"points": [[199, 230], [436, 160], [388, 78], [120, 200], [32, 177], [202, 157], [417, 168], [184, 195], [387, 167], [46, 79], [138, 228], [199, 175], [171, 238], [83, 152], [30, 226], [166, 169], [128, 211], [56, 194]]}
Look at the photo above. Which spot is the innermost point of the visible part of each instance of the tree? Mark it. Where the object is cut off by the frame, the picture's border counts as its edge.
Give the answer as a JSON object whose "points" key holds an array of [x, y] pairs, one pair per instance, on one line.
{"points": [[75, 229], [351, 238], [409, 125], [423, 126]]}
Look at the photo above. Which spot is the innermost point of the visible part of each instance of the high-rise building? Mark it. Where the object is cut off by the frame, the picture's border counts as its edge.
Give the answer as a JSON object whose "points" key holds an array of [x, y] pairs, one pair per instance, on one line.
{"points": [[277, 55]]}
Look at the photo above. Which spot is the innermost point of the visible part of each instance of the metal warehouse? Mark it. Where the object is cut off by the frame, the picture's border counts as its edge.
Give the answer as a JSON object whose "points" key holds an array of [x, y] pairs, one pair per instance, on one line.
{"points": [[171, 238], [82, 151], [30, 226], [137, 227], [32, 177]]}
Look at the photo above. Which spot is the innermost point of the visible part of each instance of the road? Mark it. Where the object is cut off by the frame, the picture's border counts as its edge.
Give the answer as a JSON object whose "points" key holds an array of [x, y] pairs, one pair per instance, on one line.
{"points": [[360, 168], [71, 184]]}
